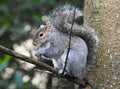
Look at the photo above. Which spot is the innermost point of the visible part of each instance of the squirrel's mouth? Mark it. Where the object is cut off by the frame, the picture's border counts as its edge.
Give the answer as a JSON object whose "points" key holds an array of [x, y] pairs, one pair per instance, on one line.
{"points": [[40, 46]]}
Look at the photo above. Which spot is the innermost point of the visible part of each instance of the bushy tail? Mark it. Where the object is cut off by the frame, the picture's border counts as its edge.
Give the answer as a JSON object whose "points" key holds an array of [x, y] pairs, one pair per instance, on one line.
{"points": [[89, 36], [62, 17], [64, 14]]}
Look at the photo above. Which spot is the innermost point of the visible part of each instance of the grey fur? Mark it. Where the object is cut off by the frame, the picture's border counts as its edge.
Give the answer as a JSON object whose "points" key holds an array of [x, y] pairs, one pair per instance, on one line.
{"points": [[61, 18], [84, 42]]}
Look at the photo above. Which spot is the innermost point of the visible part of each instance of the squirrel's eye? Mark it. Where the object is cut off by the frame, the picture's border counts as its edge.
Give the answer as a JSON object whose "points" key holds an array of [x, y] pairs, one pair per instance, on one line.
{"points": [[41, 34]]}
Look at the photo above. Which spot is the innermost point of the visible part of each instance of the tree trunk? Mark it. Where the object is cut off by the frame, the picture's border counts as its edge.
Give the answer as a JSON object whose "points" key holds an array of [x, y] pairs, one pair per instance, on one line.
{"points": [[104, 17]]}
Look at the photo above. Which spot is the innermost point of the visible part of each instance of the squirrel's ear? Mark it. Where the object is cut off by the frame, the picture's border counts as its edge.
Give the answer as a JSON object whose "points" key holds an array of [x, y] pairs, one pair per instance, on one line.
{"points": [[48, 27]]}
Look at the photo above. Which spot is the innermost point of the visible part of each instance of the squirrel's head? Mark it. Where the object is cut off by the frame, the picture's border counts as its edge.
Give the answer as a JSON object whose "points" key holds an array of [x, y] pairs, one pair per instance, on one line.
{"points": [[42, 35]]}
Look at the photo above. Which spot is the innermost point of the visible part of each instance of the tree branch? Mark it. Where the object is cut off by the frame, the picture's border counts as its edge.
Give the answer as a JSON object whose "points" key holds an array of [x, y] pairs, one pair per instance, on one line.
{"points": [[39, 64]]}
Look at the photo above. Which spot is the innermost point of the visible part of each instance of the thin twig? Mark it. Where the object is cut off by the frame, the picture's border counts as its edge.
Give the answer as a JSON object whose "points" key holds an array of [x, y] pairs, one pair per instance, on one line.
{"points": [[69, 43], [39, 64]]}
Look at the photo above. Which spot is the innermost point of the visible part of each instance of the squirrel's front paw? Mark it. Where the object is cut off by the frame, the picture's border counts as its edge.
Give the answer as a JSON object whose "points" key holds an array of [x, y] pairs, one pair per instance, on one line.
{"points": [[38, 53]]}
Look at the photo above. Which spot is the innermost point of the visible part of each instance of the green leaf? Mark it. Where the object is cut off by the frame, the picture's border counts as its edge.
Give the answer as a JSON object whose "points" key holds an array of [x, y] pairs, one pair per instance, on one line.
{"points": [[37, 17], [26, 85], [4, 62], [50, 2]]}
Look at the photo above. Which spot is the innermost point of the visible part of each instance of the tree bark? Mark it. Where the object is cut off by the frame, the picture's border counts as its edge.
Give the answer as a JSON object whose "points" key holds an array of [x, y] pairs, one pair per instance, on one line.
{"points": [[104, 17]]}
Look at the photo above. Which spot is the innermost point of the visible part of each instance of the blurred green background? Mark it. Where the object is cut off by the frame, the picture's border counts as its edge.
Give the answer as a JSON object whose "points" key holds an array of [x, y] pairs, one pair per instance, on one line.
{"points": [[18, 20]]}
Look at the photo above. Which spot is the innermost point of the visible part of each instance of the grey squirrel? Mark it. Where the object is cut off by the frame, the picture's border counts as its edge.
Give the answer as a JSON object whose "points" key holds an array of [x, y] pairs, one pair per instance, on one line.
{"points": [[52, 42]]}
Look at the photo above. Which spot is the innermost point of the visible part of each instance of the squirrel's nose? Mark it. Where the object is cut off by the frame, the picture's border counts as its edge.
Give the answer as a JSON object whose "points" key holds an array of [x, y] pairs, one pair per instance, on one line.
{"points": [[34, 43]]}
